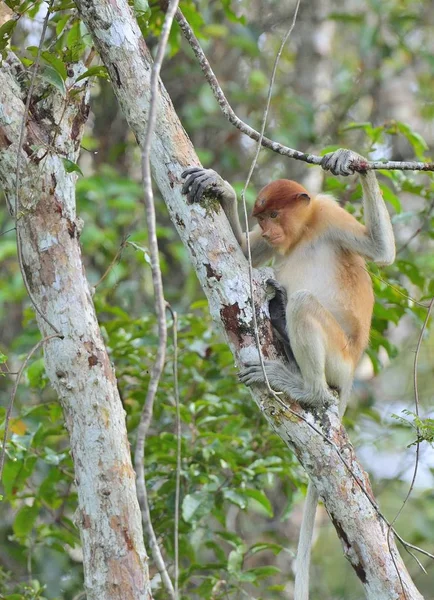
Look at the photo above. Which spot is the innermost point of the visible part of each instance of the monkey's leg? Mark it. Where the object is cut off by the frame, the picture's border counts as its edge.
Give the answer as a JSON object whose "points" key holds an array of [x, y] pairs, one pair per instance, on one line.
{"points": [[321, 347]]}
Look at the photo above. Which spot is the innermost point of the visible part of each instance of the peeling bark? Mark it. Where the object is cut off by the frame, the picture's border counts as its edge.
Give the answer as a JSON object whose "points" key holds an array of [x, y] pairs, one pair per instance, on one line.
{"points": [[108, 515], [214, 251]]}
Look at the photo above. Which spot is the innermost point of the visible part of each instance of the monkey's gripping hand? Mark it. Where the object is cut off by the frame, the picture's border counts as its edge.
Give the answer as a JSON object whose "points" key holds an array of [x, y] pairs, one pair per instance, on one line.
{"points": [[285, 378], [198, 181], [343, 162]]}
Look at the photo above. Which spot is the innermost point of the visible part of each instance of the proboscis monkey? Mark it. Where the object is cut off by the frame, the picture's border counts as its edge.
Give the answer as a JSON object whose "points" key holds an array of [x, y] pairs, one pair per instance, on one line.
{"points": [[324, 299]]}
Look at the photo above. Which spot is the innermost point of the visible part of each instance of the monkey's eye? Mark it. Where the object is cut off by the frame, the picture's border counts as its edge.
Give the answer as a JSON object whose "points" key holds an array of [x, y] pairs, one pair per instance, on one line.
{"points": [[273, 214]]}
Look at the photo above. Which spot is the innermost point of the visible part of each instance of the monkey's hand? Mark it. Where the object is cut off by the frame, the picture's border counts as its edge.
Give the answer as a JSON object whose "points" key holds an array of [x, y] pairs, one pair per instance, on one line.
{"points": [[287, 379], [277, 292], [277, 304], [198, 181], [344, 162]]}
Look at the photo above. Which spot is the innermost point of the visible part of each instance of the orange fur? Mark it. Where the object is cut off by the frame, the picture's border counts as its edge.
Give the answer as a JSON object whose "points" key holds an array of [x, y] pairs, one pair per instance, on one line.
{"points": [[279, 194], [308, 223]]}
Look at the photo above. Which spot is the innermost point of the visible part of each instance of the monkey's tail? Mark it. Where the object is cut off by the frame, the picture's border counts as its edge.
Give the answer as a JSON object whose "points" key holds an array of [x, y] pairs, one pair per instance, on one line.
{"points": [[301, 590], [302, 565]]}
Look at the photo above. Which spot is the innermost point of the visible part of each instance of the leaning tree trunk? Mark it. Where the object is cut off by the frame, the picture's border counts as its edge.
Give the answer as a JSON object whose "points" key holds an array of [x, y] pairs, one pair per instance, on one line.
{"points": [[108, 516], [222, 271]]}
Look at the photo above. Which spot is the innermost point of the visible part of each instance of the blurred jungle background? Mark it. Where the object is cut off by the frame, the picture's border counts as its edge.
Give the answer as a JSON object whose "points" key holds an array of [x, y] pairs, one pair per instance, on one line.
{"points": [[353, 74]]}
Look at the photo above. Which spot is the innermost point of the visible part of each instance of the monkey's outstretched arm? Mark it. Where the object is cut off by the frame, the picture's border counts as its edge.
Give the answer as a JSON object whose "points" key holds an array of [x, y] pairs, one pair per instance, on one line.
{"points": [[206, 181], [375, 241]]}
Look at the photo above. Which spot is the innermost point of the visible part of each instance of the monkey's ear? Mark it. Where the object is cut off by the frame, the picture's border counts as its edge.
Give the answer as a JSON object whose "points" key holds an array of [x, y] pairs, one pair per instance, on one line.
{"points": [[303, 196]]}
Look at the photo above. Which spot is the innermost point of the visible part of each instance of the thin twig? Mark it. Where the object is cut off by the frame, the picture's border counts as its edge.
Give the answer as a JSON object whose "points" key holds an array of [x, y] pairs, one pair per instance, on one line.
{"points": [[113, 262], [418, 230], [14, 393], [178, 444], [7, 231], [18, 167], [243, 194], [416, 404], [267, 142], [160, 304], [396, 289]]}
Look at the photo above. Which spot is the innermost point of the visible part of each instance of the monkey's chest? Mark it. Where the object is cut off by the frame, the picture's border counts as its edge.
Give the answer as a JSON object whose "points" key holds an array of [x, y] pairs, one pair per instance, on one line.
{"points": [[313, 269]]}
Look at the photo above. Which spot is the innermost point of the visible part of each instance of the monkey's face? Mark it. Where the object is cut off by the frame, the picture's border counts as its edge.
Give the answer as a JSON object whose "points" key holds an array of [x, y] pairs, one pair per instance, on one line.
{"points": [[283, 228], [271, 226]]}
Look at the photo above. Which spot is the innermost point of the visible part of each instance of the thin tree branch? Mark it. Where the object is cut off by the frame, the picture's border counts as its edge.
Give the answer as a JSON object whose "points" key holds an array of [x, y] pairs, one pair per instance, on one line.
{"points": [[416, 403], [396, 289], [418, 230], [267, 142], [178, 444], [246, 185], [115, 259], [14, 393], [160, 305]]}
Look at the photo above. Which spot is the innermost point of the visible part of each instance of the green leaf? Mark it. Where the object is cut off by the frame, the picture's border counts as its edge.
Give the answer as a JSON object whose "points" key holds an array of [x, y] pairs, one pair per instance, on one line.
{"points": [[50, 75], [71, 167], [390, 197], [56, 63], [75, 43], [36, 374], [96, 71], [236, 498], [13, 4], [141, 8], [415, 139], [61, 23], [196, 505], [265, 571], [6, 31], [235, 559], [260, 497], [274, 548], [25, 520], [232, 538]]}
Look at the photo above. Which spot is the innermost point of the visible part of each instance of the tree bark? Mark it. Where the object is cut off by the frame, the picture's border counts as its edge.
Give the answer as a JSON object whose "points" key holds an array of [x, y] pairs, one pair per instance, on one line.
{"points": [[222, 271], [108, 515]]}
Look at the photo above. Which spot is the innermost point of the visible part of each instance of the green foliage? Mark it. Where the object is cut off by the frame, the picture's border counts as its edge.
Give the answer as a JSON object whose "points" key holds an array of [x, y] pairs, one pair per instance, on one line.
{"points": [[424, 428], [238, 481]]}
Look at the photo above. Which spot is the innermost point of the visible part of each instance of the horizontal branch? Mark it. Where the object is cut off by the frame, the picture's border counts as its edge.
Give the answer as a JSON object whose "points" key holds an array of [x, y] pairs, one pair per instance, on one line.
{"points": [[229, 113]]}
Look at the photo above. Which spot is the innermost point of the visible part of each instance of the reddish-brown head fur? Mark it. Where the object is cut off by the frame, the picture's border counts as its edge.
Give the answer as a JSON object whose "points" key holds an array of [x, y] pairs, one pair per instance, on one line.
{"points": [[279, 194]]}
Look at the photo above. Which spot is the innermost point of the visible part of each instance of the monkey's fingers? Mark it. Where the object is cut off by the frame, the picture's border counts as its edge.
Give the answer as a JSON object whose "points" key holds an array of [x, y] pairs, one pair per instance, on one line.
{"points": [[279, 290], [251, 374], [344, 161], [199, 181], [190, 175], [339, 162], [190, 170], [199, 186]]}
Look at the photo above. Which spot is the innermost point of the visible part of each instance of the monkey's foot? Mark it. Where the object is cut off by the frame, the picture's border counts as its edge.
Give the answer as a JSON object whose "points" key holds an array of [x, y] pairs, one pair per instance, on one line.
{"points": [[199, 180], [341, 162], [283, 378]]}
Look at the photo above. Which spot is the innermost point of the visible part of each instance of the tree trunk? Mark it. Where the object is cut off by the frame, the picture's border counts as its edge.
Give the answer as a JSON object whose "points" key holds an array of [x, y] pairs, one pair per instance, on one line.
{"points": [[108, 515]]}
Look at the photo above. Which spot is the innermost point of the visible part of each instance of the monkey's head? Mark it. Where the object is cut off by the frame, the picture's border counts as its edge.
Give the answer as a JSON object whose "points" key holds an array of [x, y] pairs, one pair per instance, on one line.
{"points": [[282, 208]]}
